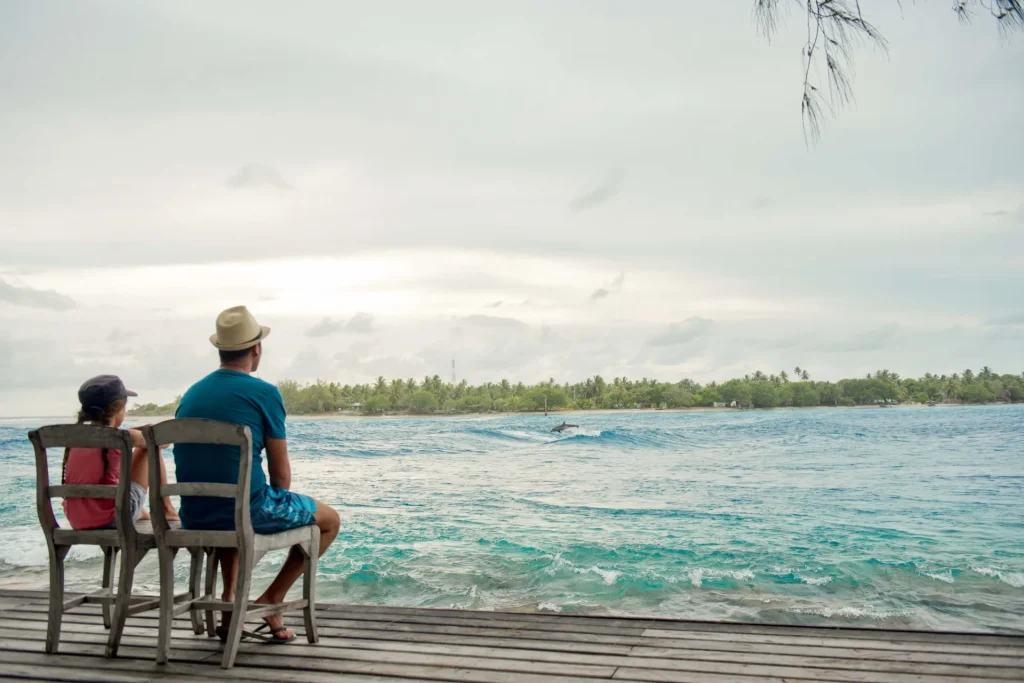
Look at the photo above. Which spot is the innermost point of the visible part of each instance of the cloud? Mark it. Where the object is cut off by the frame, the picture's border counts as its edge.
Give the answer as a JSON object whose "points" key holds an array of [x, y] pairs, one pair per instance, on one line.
{"points": [[604, 191], [1017, 213], [309, 364], [496, 304], [493, 322], [609, 288], [257, 176], [119, 335], [675, 344], [682, 333], [871, 340], [325, 328], [35, 298], [360, 323], [1011, 319]]}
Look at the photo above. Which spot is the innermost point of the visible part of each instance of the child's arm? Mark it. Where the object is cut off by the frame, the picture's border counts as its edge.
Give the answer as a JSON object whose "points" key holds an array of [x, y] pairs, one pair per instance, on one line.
{"points": [[139, 441]]}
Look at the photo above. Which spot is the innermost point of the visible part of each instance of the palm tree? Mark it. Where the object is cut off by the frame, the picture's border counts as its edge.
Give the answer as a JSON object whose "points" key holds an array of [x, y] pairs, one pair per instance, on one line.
{"points": [[797, 371], [784, 377], [805, 375]]}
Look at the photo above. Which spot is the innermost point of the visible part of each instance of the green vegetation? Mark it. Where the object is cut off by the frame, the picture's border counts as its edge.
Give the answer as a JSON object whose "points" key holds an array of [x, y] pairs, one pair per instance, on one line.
{"points": [[759, 390], [154, 410]]}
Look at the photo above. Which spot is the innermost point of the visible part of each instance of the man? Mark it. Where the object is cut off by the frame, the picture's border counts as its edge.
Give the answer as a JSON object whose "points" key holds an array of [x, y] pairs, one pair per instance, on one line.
{"points": [[232, 394]]}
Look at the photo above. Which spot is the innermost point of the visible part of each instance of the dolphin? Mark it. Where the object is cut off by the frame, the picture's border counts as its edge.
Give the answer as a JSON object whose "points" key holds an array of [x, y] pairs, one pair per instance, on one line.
{"points": [[562, 427]]}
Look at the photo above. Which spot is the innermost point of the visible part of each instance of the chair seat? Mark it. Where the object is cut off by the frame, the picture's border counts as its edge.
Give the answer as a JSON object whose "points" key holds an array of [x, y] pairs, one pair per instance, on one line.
{"points": [[283, 539], [107, 537], [192, 538]]}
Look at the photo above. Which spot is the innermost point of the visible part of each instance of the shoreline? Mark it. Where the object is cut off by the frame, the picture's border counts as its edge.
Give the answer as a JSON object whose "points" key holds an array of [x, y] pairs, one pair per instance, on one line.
{"points": [[355, 415]]}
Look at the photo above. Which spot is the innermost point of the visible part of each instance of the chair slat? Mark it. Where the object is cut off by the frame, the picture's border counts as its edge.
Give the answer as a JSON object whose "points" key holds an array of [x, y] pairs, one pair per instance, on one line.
{"points": [[81, 436], [200, 489], [195, 430], [83, 491]]}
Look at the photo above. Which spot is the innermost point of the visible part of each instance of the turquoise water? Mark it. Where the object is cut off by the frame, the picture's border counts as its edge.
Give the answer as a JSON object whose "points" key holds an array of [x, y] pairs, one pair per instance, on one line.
{"points": [[909, 517]]}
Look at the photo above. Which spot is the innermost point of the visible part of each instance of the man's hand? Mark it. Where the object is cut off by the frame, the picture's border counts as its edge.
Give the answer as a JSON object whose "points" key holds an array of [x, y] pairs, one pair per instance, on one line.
{"points": [[278, 464]]}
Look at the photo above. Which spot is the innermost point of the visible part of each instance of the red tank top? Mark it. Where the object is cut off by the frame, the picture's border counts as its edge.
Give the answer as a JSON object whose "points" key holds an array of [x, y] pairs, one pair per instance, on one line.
{"points": [[85, 467]]}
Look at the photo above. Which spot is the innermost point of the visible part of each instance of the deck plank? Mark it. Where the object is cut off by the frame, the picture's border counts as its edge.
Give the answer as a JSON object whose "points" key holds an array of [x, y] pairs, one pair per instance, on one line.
{"points": [[679, 639], [370, 649], [582, 652], [378, 644]]}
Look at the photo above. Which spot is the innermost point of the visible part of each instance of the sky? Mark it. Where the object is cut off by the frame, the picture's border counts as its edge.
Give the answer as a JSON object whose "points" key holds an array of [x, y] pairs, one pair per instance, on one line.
{"points": [[534, 189]]}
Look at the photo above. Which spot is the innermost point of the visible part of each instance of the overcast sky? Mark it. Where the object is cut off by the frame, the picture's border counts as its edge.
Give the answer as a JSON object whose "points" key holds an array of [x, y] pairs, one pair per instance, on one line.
{"points": [[534, 188]]}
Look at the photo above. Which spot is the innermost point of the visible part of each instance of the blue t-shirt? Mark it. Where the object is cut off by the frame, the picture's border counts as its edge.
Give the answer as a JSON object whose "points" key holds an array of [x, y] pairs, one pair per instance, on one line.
{"points": [[238, 398]]}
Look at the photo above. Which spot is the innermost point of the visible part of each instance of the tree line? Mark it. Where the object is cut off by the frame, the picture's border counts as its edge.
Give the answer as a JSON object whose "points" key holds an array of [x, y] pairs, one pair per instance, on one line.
{"points": [[759, 390]]}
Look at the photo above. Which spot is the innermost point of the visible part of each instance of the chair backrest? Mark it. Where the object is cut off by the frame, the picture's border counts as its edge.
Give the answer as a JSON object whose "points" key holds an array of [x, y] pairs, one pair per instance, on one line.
{"points": [[194, 430], [83, 436]]}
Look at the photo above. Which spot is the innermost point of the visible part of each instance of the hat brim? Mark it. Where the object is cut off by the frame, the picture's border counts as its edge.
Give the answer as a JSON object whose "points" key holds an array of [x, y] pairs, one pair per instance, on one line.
{"points": [[128, 393], [264, 333]]}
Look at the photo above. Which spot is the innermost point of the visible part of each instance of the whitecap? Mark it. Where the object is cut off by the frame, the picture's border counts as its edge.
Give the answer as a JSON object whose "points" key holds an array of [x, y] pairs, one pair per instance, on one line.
{"points": [[610, 576], [815, 580], [946, 576], [1015, 579], [698, 575], [852, 612], [26, 547], [548, 607]]}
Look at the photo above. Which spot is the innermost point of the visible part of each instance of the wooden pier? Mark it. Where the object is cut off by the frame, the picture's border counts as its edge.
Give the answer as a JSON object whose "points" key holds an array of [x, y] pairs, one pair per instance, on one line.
{"points": [[360, 643]]}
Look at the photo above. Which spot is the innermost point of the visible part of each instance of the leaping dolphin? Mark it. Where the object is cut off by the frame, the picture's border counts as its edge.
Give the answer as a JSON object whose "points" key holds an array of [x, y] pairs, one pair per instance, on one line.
{"points": [[562, 427]]}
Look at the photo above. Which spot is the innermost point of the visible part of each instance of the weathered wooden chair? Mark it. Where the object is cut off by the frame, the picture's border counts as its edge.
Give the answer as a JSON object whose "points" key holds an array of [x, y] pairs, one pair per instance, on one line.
{"points": [[251, 547], [131, 540]]}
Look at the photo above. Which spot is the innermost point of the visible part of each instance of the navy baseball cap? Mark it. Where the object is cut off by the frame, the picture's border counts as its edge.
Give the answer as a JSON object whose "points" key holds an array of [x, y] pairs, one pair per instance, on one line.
{"points": [[101, 391]]}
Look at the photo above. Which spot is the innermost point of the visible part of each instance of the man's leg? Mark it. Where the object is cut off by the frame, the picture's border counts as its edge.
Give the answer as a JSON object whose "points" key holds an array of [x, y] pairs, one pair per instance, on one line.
{"points": [[329, 521], [228, 558]]}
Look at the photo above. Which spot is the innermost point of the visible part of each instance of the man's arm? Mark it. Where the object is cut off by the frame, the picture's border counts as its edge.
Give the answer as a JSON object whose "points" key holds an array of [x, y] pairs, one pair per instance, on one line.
{"points": [[278, 464]]}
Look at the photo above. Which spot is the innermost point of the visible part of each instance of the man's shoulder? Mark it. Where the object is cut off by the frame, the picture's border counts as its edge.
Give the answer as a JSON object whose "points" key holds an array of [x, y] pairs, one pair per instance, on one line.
{"points": [[226, 383], [261, 386]]}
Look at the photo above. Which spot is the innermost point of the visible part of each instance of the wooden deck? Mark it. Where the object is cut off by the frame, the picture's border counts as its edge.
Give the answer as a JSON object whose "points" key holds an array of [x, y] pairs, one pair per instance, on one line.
{"points": [[387, 643]]}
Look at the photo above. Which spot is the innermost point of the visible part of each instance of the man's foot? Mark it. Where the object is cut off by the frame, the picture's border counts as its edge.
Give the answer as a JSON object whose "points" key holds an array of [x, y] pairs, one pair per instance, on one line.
{"points": [[275, 622], [171, 515]]}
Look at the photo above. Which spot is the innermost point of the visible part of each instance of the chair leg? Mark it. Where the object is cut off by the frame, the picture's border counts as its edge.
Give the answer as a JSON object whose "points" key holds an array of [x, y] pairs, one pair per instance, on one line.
{"points": [[56, 612], [241, 606], [195, 585], [129, 559], [309, 586], [109, 563], [163, 643], [211, 589]]}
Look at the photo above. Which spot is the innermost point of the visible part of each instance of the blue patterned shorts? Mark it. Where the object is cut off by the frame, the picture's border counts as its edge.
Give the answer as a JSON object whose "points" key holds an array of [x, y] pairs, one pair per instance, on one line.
{"points": [[282, 510]]}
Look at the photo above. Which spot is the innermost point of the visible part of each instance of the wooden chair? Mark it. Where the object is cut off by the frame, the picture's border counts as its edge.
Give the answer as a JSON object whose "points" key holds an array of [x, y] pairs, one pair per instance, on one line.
{"points": [[251, 547], [132, 540]]}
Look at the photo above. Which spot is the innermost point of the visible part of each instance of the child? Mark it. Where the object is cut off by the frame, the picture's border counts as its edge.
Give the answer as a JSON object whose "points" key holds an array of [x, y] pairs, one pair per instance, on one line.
{"points": [[104, 402]]}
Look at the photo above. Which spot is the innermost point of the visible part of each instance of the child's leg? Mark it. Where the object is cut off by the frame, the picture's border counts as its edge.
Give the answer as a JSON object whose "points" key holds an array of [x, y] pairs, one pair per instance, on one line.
{"points": [[140, 468], [140, 474]]}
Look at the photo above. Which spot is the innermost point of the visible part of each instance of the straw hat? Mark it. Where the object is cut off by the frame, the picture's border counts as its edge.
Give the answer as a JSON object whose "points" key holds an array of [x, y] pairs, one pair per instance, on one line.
{"points": [[237, 330]]}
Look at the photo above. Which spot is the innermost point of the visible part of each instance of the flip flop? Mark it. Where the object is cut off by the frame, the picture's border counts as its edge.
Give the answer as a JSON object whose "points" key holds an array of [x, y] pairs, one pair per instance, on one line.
{"points": [[222, 633], [270, 637]]}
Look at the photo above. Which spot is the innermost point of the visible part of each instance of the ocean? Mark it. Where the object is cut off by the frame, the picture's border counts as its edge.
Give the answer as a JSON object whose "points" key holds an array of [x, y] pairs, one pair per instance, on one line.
{"points": [[905, 517]]}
